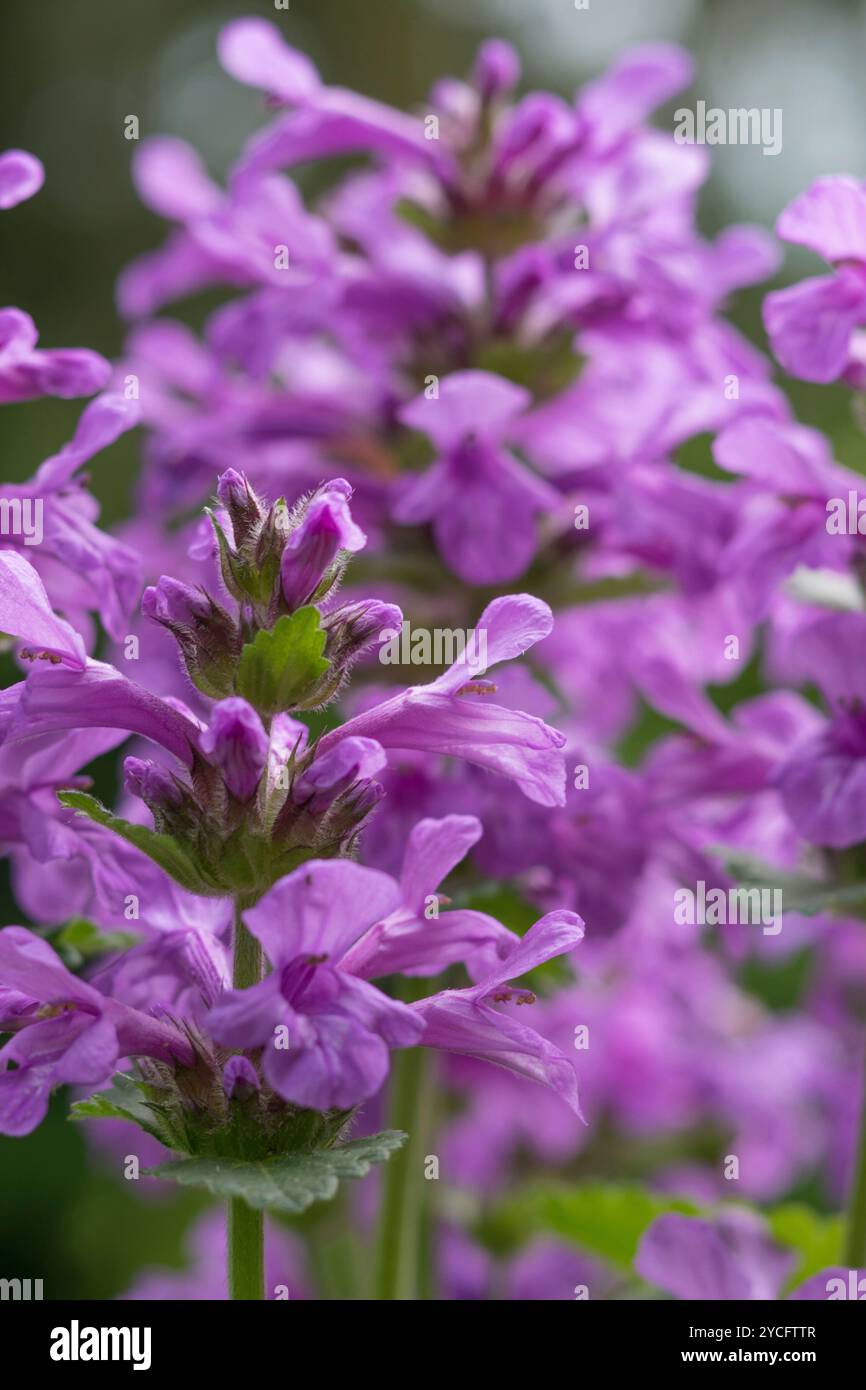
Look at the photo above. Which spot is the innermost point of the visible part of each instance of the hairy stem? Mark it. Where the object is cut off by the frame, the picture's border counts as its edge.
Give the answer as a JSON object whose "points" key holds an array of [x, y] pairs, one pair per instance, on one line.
{"points": [[246, 1237]]}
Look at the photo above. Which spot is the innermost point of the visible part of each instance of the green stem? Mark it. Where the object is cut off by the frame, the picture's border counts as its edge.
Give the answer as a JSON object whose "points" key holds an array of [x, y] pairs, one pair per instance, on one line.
{"points": [[854, 1251], [246, 1250], [404, 1194], [246, 1233], [247, 955]]}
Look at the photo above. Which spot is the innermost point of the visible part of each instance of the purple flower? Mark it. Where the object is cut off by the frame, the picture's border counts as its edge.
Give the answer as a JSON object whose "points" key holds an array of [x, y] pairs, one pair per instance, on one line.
{"points": [[497, 69], [233, 236], [452, 715], [730, 1257], [64, 1031], [84, 569], [99, 697], [236, 743], [27, 372], [411, 941], [325, 1033], [151, 782], [811, 325], [482, 502], [350, 761], [327, 121], [21, 176], [822, 780], [464, 1021], [25, 612], [240, 1077], [325, 528]]}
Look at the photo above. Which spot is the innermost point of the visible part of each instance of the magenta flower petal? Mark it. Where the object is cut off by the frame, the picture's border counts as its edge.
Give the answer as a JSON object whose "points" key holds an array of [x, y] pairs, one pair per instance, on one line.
{"points": [[21, 175], [810, 324], [325, 529], [434, 848], [320, 909], [28, 964], [829, 218], [253, 51], [511, 625], [469, 403], [335, 1063], [823, 787], [25, 612], [454, 1023], [101, 422], [731, 1257], [99, 698], [171, 180], [348, 761]]}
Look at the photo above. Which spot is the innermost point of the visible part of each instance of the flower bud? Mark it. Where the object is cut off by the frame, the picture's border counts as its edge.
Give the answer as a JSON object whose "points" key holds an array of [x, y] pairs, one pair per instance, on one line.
{"points": [[240, 1080], [153, 784], [235, 741], [349, 761], [207, 635], [173, 809], [310, 561], [245, 510], [353, 627]]}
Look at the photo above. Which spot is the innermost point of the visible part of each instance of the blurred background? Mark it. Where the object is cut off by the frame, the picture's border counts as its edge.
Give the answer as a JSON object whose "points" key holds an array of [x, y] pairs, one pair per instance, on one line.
{"points": [[71, 74]]}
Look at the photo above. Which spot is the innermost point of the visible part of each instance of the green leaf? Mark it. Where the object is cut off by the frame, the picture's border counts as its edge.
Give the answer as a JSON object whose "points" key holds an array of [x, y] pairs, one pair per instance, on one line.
{"points": [[808, 896], [80, 941], [279, 667], [122, 1101], [162, 849], [289, 1184], [816, 1239], [604, 1220]]}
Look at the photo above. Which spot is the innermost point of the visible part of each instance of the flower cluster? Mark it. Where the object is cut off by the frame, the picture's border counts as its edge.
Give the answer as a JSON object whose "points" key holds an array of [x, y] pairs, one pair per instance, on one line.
{"points": [[492, 356]]}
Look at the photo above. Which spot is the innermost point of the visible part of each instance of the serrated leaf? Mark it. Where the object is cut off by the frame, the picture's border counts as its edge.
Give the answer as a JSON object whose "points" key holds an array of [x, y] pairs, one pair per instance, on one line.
{"points": [[162, 849], [289, 1184], [282, 663], [122, 1101], [605, 1220]]}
